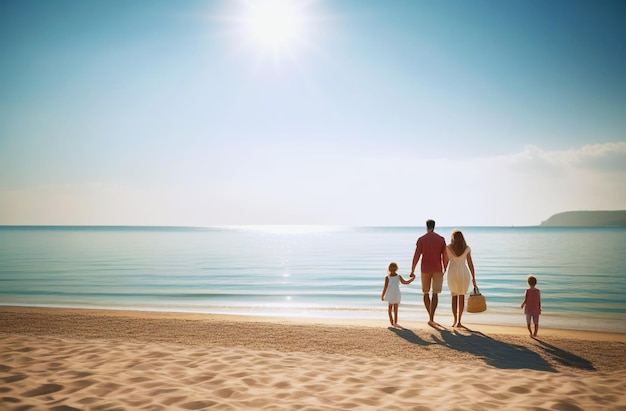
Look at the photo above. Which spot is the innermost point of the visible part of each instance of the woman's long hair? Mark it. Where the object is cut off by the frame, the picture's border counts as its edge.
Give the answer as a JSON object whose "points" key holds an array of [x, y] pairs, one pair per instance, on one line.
{"points": [[458, 244]]}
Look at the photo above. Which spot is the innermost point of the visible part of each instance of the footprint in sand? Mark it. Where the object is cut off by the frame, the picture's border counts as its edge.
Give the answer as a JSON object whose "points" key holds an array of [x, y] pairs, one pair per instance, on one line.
{"points": [[14, 378], [197, 405], [389, 390], [43, 390], [224, 393], [519, 390], [64, 408], [5, 368]]}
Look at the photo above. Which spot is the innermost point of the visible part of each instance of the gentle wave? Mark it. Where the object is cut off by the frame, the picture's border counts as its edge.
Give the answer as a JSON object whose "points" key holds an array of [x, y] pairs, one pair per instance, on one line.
{"points": [[329, 271]]}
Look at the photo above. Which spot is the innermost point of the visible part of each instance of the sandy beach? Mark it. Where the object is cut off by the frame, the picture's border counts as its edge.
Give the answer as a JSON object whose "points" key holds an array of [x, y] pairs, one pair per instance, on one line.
{"points": [[71, 359]]}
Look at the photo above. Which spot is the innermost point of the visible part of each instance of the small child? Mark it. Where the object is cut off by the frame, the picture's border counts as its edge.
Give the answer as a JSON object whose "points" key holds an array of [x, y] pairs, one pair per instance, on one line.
{"points": [[391, 291], [532, 305]]}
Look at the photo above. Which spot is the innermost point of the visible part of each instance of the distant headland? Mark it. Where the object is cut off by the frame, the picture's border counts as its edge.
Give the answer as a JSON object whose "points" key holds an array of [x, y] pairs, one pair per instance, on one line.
{"points": [[616, 218]]}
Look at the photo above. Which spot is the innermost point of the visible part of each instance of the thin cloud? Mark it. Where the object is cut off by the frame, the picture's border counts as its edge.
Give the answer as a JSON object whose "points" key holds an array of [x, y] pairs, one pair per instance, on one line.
{"points": [[607, 156]]}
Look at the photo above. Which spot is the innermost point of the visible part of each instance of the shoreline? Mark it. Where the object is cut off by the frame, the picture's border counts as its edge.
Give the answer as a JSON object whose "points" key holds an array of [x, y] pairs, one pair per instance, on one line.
{"points": [[87, 359], [40, 320], [490, 322]]}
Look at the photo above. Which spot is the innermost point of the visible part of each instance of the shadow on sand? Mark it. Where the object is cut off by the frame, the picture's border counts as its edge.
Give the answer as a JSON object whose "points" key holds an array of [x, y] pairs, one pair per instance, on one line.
{"points": [[495, 353], [565, 357], [410, 336]]}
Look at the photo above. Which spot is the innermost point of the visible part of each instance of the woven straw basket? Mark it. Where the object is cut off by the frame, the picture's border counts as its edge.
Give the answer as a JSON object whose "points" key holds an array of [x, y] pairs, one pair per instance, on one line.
{"points": [[476, 302]]}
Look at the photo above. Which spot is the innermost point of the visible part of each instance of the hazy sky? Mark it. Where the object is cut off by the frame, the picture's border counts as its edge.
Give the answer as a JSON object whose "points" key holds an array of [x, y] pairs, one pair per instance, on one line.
{"points": [[348, 112]]}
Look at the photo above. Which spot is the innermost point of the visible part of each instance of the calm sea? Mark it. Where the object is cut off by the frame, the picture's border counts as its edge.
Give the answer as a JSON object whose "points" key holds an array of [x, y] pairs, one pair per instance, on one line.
{"points": [[310, 271]]}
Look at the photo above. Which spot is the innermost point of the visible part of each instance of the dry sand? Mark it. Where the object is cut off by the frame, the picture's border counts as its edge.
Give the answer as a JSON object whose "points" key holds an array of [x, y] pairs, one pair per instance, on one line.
{"points": [[62, 360]]}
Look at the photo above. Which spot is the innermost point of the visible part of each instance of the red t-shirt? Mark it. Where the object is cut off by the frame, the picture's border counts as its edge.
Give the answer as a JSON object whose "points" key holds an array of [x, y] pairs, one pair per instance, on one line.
{"points": [[431, 247]]}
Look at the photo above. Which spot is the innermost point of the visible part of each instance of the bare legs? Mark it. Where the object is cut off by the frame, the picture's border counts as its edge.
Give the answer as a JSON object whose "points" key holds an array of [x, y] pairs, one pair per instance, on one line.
{"points": [[458, 305], [431, 306], [531, 332], [393, 314], [535, 322], [455, 301], [461, 308]]}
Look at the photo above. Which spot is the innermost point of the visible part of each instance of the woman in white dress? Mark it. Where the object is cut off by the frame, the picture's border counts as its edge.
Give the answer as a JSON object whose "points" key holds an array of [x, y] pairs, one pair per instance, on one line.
{"points": [[460, 267], [391, 291]]}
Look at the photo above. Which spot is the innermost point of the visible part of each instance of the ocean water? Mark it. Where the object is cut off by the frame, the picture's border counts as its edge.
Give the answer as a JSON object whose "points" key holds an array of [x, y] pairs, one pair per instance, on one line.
{"points": [[321, 272]]}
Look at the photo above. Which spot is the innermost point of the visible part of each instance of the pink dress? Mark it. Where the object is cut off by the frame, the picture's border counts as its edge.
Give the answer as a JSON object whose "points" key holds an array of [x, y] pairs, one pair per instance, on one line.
{"points": [[533, 302]]}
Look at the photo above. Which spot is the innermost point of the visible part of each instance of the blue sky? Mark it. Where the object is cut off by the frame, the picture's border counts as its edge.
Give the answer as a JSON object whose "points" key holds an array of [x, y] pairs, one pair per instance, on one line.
{"points": [[359, 113]]}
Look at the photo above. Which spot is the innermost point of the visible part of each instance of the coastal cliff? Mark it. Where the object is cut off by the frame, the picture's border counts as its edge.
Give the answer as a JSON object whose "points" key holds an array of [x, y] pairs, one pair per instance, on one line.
{"points": [[616, 218]]}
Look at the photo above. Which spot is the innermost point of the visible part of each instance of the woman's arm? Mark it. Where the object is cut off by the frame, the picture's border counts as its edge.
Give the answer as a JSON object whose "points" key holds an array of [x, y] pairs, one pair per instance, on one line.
{"points": [[382, 297], [470, 264]]}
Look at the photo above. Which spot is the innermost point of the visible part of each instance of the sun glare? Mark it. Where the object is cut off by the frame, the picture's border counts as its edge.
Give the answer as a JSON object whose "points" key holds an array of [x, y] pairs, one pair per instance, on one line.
{"points": [[273, 25], [275, 29], [289, 229]]}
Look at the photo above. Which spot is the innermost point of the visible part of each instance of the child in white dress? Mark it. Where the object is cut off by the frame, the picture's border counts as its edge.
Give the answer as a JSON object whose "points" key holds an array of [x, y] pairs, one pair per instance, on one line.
{"points": [[391, 291]]}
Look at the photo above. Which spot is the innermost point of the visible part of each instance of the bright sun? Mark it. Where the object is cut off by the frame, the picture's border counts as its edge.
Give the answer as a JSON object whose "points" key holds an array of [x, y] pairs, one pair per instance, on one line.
{"points": [[274, 25], [275, 28]]}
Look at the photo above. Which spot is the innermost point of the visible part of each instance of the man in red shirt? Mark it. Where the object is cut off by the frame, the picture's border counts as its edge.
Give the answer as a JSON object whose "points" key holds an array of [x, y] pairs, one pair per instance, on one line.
{"points": [[431, 247]]}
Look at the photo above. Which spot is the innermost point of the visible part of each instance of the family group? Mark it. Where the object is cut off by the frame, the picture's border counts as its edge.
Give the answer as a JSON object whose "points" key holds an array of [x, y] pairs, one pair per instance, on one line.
{"points": [[455, 259]]}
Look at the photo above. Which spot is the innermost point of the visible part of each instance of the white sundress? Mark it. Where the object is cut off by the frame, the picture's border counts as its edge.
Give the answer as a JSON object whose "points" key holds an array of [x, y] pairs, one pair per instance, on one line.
{"points": [[392, 295], [459, 276]]}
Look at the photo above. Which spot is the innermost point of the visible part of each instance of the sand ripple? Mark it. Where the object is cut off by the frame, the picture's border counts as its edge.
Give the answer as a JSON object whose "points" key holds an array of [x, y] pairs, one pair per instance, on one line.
{"points": [[100, 375], [69, 362]]}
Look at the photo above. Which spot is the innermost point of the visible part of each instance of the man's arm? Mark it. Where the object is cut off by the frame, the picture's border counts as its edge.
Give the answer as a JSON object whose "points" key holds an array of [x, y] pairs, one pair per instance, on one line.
{"points": [[416, 258]]}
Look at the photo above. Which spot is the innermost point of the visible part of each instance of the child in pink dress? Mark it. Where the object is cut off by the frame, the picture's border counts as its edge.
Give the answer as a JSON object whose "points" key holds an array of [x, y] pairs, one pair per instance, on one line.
{"points": [[532, 305]]}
